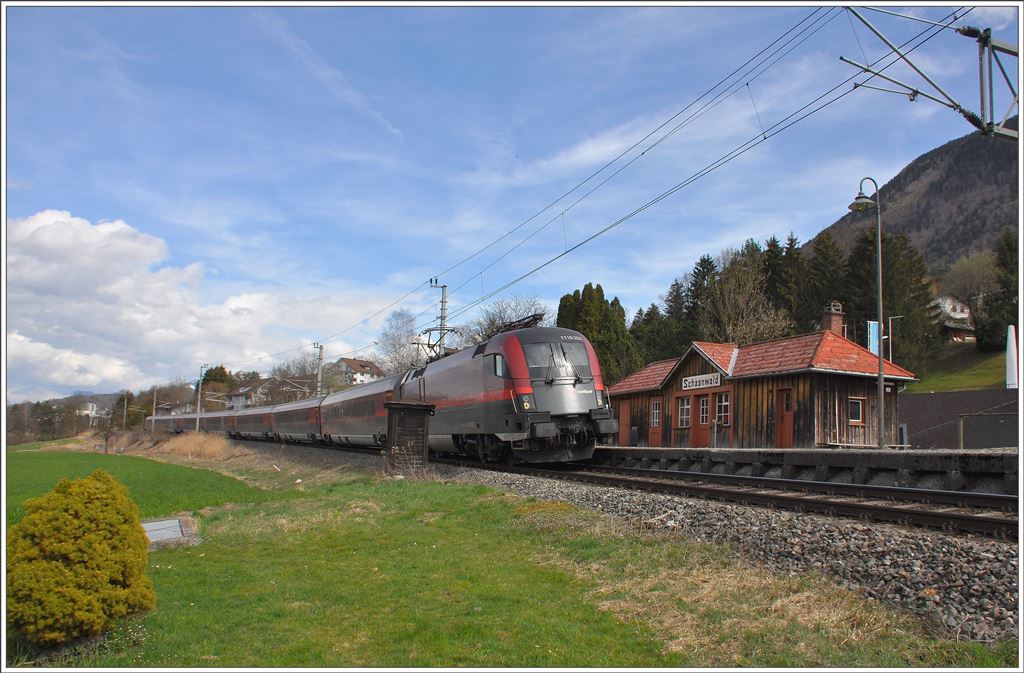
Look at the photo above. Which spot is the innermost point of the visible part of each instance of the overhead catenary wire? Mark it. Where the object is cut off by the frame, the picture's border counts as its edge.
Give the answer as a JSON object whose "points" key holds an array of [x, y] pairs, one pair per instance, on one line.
{"points": [[742, 149], [729, 91], [784, 124], [718, 84]]}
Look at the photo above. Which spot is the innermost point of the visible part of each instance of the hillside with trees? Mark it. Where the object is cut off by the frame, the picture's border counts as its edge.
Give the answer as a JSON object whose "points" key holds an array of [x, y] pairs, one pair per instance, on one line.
{"points": [[949, 202]]}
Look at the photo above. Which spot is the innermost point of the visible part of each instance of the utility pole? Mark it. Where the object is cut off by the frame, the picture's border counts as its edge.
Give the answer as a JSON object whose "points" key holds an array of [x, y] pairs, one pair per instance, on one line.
{"points": [[319, 367], [124, 415], [199, 395], [444, 314], [153, 425]]}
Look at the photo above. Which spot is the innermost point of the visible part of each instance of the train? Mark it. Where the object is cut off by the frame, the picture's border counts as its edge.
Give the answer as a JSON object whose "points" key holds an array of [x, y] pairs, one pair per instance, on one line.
{"points": [[532, 395]]}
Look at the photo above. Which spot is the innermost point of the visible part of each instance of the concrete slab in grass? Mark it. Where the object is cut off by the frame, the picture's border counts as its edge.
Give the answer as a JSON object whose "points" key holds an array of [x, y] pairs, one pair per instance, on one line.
{"points": [[171, 532]]}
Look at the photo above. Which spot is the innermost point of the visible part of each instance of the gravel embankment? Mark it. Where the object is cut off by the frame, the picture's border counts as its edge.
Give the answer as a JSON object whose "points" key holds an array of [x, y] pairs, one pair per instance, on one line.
{"points": [[967, 583]]}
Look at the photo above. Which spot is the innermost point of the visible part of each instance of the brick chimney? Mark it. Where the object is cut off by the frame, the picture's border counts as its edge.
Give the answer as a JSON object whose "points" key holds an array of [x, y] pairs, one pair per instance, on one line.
{"points": [[832, 319]]}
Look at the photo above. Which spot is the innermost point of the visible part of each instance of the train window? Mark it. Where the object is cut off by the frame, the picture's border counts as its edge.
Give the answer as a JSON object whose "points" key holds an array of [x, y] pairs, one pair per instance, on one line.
{"points": [[557, 360], [418, 373], [577, 354], [499, 366], [480, 349]]}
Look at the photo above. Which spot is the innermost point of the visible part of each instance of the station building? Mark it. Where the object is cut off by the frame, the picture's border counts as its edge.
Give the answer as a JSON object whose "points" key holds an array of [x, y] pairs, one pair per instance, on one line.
{"points": [[807, 391]]}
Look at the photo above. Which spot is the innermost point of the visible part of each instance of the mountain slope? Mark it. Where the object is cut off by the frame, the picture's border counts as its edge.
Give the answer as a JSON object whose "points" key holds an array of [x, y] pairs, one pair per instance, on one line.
{"points": [[950, 201]]}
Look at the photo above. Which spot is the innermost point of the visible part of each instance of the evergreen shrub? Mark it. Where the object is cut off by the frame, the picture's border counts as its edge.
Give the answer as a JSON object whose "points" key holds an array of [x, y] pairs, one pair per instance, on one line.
{"points": [[76, 562]]}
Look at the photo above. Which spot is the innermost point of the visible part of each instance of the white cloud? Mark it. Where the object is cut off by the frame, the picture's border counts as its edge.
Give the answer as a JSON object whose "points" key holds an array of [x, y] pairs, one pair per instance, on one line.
{"points": [[66, 367], [332, 78], [90, 306]]}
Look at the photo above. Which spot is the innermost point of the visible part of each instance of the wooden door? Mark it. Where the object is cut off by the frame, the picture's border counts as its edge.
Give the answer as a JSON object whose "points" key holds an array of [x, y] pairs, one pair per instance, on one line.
{"points": [[700, 424], [624, 422], [784, 418], [656, 420]]}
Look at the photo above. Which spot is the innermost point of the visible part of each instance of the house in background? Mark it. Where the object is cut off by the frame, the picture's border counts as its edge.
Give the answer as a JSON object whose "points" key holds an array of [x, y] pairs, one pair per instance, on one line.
{"points": [[811, 390], [957, 320], [251, 393], [352, 372], [91, 410]]}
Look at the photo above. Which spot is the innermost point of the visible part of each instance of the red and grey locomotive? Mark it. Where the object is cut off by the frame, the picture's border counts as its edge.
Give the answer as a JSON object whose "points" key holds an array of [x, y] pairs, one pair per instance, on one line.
{"points": [[528, 395]]}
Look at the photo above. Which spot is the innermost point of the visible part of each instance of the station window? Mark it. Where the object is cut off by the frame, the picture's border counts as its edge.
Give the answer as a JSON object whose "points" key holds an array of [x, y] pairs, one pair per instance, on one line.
{"points": [[856, 411], [722, 410], [656, 413], [704, 410], [684, 412]]}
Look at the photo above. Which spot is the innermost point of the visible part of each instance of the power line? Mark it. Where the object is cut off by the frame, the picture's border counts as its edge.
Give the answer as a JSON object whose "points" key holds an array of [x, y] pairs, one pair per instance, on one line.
{"points": [[717, 100], [742, 149], [556, 201], [775, 129]]}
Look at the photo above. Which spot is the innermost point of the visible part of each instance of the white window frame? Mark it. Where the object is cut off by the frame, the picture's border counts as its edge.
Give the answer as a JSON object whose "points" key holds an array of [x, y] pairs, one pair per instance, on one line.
{"points": [[849, 410], [722, 400], [684, 412], [705, 410], [655, 413]]}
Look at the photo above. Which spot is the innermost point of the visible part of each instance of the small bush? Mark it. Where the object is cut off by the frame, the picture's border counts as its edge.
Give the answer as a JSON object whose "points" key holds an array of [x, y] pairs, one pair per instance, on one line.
{"points": [[76, 562]]}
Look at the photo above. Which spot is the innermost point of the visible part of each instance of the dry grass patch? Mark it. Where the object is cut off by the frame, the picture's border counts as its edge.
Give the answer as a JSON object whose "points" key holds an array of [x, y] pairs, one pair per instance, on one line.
{"points": [[699, 600], [199, 445], [694, 608]]}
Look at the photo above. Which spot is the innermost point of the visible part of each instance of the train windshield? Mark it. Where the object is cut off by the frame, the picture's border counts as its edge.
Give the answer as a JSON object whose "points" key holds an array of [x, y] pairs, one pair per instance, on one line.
{"points": [[550, 361]]}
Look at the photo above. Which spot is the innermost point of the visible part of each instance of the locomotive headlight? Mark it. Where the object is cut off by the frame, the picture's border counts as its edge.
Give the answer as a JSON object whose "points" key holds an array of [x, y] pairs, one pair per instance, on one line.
{"points": [[526, 400]]}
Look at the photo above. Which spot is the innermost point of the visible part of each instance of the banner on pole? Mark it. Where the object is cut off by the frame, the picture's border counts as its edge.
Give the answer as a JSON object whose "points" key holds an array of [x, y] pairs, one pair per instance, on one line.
{"points": [[873, 336]]}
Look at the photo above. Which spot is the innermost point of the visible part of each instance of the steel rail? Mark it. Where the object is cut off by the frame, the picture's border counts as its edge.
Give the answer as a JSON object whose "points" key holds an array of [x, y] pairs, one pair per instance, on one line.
{"points": [[1000, 526], [940, 497]]}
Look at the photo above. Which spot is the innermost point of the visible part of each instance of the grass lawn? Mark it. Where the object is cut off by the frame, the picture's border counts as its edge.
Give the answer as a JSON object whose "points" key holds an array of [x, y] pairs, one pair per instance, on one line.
{"points": [[383, 573], [35, 446], [158, 488], [962, 367]]}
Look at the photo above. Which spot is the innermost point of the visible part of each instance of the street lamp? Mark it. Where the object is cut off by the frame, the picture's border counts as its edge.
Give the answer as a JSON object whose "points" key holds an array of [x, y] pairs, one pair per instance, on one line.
{"points": [[860, 204]]}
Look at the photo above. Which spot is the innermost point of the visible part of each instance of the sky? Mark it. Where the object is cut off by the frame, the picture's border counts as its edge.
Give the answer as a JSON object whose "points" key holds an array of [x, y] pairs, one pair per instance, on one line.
{"points": [[198, 185]]}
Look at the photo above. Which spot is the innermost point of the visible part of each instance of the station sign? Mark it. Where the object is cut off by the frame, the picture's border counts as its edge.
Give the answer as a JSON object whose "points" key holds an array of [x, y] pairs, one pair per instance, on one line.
{"points": [[702, 381]]}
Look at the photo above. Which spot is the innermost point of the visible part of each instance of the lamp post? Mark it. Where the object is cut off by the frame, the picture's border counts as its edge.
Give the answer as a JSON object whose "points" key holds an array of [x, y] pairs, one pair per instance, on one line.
{"points": [[860, 204]]}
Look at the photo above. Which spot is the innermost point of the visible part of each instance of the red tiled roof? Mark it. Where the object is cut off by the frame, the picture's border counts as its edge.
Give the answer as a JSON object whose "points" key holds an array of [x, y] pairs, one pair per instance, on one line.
{"points": [[780, 355], [363, 367], [650, 377], [825, 351], [720, 354], [821, 350], [839, 354]]}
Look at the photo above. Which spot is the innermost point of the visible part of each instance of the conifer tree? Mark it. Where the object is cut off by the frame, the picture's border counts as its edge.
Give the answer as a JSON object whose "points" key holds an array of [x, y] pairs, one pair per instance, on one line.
{"points": [[698, 288], [906, 292], [825, 280], [793, 291], [772, 260], [1000, 308], [604, 325]]}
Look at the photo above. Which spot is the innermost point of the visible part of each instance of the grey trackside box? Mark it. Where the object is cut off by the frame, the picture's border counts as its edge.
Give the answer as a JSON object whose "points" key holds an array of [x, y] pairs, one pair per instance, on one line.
{"points": [[408, 435]]}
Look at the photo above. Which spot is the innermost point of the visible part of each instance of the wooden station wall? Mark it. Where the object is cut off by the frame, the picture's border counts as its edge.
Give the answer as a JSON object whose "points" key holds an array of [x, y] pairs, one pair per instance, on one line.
{"points": [[819, 401]]}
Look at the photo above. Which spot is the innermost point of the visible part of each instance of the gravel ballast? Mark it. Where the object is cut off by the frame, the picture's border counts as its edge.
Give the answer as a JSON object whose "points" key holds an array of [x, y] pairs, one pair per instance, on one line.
{"points": [[969, 584]]}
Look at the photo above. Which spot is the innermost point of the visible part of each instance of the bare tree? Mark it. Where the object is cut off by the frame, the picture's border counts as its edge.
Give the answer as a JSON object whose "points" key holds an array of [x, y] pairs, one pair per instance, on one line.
{"points": [[498, 313], [739, 310], [971, 277], [396, 347]]}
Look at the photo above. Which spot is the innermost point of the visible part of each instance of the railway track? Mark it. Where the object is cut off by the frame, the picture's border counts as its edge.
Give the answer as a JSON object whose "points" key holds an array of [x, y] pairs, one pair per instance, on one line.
{"points": [[984, 513]]}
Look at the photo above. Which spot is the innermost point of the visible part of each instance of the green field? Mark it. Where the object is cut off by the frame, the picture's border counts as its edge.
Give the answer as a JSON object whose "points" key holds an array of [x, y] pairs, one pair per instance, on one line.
{"points": [[158, 488], [962, 367], [380, 573]]}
